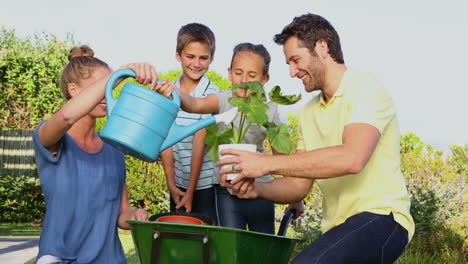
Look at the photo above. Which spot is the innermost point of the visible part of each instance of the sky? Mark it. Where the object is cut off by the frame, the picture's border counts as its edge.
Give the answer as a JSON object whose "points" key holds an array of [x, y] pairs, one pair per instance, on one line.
{"points": [[417, 48]]}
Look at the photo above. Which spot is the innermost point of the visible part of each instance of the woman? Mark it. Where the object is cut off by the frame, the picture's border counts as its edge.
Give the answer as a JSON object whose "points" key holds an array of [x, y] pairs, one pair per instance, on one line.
{"points": [[249, 63], [83, 178]]}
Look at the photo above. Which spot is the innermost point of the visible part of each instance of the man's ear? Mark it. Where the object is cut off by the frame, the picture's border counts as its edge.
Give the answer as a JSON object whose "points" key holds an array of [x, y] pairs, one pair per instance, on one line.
{"points": [[321, 48], [73, 89]]}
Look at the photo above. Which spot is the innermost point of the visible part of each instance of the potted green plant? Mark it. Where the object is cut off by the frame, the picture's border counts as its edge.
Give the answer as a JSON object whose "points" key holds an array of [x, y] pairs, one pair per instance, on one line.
{"points": [[253, 109]]}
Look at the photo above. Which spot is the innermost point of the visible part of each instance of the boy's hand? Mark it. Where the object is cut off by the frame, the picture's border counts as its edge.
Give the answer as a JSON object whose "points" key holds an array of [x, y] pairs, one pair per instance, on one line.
{"points": [[185, 202], [145, 73], [176, 194], [165, 88], [139, 215]]}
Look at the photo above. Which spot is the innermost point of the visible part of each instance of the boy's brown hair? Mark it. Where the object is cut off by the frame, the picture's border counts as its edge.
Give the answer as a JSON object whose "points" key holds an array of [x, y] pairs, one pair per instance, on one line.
{"points": [[195, 32]]}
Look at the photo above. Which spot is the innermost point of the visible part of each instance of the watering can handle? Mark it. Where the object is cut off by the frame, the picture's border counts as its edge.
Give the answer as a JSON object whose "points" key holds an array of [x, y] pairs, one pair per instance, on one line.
{"points": [[110, 100]]}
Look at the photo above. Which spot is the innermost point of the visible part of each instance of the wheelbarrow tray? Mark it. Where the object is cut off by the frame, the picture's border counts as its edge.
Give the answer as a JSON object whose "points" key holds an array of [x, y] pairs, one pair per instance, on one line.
{"points": [[162, 242]]}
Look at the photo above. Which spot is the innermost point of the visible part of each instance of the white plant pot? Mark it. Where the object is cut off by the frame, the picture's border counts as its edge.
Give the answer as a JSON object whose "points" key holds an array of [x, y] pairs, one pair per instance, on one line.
{"points": [[248, 147]]}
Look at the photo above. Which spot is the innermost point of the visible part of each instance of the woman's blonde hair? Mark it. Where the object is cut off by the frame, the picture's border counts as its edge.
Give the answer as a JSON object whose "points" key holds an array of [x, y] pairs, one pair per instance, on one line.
{"points": [[81, 65]]}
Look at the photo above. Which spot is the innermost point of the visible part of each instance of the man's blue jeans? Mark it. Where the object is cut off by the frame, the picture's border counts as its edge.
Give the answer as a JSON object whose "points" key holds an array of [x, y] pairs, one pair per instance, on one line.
{"points": [[257, 214], [362, 238]]}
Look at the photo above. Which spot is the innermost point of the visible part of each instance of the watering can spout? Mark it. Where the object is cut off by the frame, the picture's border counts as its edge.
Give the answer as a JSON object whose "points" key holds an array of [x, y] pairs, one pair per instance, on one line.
{"points": [[178, 133]]}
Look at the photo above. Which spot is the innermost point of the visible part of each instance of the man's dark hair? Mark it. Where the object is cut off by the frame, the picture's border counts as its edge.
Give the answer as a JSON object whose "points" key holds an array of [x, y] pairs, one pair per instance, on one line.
{"points": [[309, 29]]}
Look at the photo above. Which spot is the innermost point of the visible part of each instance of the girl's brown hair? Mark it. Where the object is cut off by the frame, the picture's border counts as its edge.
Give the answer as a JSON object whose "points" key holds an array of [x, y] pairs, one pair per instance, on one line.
{"points": [[257, 49], [81, 65]]}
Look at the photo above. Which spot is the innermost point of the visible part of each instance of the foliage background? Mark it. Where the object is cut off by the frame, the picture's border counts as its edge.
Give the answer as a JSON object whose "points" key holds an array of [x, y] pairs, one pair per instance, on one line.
{"points": [[29, 72]]}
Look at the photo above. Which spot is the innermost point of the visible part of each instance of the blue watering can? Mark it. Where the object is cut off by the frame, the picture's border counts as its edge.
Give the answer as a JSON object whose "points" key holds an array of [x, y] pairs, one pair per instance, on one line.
{"points": [[141, 122]]}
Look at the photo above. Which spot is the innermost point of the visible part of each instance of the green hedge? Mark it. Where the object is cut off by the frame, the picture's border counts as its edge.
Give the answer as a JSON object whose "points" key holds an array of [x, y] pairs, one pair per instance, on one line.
{"points": [[21, 199]]}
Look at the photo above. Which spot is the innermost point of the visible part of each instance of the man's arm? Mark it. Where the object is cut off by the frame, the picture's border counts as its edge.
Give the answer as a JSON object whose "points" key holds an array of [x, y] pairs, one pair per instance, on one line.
{"points": [[359, 142], [281, 190]]}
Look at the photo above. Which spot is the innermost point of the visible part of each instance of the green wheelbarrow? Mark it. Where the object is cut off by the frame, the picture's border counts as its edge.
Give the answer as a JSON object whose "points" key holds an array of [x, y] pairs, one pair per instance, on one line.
{"points": [[176, 242]]}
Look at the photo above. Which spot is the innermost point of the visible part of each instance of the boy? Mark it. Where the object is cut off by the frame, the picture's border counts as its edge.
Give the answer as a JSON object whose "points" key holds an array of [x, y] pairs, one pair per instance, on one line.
{"points": [[188, 170]]}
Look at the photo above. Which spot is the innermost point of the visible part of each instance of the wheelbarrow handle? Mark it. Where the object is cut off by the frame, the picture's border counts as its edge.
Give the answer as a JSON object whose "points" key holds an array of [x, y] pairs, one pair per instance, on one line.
{"points": [[285, 221]]}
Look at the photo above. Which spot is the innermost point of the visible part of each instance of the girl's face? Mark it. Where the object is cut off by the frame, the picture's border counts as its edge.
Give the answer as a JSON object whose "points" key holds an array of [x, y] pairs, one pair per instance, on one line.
{"points": [[195, 59], [246, 67]]}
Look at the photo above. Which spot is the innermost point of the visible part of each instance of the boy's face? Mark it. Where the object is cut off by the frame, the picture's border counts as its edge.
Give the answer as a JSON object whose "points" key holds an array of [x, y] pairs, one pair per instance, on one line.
{"points": [[195, 59]]}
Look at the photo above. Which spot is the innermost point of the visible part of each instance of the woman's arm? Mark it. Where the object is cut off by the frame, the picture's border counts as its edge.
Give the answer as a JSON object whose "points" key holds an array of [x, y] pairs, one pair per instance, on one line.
{"points": [[127, 213], [74, 109]]}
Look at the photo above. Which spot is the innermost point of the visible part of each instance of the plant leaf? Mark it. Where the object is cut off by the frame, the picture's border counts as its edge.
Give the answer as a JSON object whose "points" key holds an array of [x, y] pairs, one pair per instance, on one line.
{"points": [[279, 137], [213, 140], [256, 111], [255, 87], [278, 98]]}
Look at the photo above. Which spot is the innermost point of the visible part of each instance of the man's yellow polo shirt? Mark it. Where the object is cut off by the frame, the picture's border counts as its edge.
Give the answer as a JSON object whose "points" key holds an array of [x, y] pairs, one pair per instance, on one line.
{"points": [[380, 187]]}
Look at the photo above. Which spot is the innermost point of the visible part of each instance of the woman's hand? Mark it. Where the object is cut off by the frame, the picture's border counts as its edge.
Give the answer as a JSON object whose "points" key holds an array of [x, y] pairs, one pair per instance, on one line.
{"points": [[145, 73], [139, 215]]}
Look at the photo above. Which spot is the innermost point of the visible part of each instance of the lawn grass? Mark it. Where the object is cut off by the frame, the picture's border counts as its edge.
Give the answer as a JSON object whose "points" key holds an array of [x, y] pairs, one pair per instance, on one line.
{"points": [[128, 246], [7, 229]]}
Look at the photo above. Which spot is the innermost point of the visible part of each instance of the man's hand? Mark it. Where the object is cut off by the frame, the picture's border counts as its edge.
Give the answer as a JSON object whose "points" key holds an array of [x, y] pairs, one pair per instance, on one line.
{"points": [[248, 164], [299, 207], [244, 189], [139, 215]]}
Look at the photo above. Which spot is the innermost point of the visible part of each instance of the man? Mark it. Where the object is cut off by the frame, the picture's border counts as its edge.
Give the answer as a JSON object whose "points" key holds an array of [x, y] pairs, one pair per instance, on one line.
{"points": [[348, 145]]}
